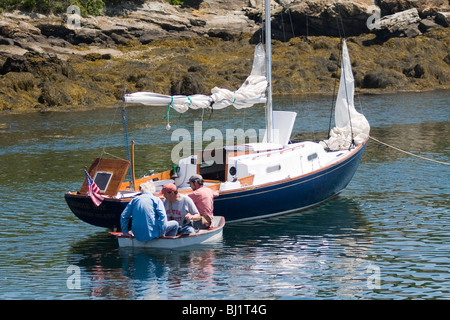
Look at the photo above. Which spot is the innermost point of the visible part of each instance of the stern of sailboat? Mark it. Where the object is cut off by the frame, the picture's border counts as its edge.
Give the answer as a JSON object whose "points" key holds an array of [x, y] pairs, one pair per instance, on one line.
{"points": [[108, 175], [106, 215]]}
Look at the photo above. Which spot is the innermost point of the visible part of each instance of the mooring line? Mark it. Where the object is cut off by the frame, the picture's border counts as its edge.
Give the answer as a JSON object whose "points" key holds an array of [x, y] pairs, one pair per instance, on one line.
{"points": [[409, 153]]}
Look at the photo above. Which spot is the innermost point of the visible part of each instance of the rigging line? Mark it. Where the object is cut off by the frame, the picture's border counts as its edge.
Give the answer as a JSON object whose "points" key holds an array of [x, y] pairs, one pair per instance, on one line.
{"points": [[107, 136], [340, 24], [409, 153], [109, 131], [293, 35], [348, 104], [292, 24], [261, 21], [360, 104], [308, 107], [333, 101], [112, 155], [307, 27]]}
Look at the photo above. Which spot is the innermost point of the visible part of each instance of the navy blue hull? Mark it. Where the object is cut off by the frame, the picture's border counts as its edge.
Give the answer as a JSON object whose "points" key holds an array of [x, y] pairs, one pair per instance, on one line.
{"points": [[291, 195], [262, 201], [106, 215]]}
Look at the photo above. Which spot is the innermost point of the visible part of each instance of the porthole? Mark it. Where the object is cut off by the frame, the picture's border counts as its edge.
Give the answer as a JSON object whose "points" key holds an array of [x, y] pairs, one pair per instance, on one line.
{"points": [[273, 168], [312, 156]]}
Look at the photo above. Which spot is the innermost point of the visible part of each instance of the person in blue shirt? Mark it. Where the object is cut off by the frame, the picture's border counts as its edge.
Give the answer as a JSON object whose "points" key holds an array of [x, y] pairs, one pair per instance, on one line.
{"points": [[149, 216]]}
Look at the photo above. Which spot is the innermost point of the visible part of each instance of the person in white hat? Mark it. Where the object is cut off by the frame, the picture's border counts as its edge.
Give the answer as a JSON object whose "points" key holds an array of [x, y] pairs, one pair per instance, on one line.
{"points": [[149, 216]]}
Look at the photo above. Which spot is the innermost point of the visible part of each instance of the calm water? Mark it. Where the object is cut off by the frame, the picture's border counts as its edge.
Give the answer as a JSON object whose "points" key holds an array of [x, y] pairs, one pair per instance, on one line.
{"points": [[385, 237]]}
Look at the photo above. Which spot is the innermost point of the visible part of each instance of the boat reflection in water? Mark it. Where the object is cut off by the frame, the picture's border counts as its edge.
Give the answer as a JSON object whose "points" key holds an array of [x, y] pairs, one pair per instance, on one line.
{"points": [[142, 273]]}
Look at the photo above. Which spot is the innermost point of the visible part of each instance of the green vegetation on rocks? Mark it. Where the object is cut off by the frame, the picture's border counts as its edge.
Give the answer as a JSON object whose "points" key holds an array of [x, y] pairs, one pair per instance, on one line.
{"points": [[46, 65], [196, 65]]}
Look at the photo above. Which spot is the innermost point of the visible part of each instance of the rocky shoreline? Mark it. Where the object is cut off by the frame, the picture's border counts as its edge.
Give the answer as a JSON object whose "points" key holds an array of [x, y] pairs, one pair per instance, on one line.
{"points": [[47, 64]]}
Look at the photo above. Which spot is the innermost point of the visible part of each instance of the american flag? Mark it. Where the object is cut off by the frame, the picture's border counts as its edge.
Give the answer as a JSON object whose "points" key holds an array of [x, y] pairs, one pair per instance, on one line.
{"points": [[94, 190]]}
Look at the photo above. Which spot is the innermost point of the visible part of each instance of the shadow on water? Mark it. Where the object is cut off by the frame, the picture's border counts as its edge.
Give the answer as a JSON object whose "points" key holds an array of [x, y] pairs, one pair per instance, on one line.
{"points": [[338, 216]]}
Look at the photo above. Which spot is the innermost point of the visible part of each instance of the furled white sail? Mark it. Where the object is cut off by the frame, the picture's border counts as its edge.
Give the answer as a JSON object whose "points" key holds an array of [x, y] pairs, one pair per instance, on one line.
{"points": [[251, 92], [351, 126]]}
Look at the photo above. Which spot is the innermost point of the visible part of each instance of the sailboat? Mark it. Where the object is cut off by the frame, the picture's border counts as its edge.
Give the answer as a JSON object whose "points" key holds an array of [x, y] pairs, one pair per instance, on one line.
{"points": [[254, 180]]}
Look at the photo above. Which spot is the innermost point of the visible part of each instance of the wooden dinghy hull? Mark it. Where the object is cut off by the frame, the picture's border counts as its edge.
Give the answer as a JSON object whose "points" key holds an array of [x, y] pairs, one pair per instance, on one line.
{"points": [[204, 236]]}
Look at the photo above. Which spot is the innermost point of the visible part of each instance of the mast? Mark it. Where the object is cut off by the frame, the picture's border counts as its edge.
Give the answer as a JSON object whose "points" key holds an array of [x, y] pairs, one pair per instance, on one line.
{"points": [[269, 113]]}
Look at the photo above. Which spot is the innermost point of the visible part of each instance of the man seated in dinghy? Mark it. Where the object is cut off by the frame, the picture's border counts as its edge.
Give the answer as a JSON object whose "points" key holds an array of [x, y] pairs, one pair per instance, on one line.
{"points": [[177, 207], [149, 216], [204, 201]]}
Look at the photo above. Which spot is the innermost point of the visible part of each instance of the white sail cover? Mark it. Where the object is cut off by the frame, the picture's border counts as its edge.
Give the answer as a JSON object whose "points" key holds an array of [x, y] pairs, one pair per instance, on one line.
{"points": [[346, 118], [251, 92]]}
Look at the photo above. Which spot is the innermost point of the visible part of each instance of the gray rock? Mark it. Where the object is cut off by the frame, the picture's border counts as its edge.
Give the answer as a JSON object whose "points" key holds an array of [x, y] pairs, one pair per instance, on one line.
{"points": [[151, 34], [428, 24], [12, 50], [404, 23], [86, 35], [226, 19], [378, 79], [190, 84], [447, 59], [417, 71], [6, 41], [310, 17], [119, 39], [443, 18]]}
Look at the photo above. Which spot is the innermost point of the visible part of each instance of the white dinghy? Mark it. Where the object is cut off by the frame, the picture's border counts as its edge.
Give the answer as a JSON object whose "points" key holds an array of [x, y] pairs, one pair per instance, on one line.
{"points": [[210, 235]]}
